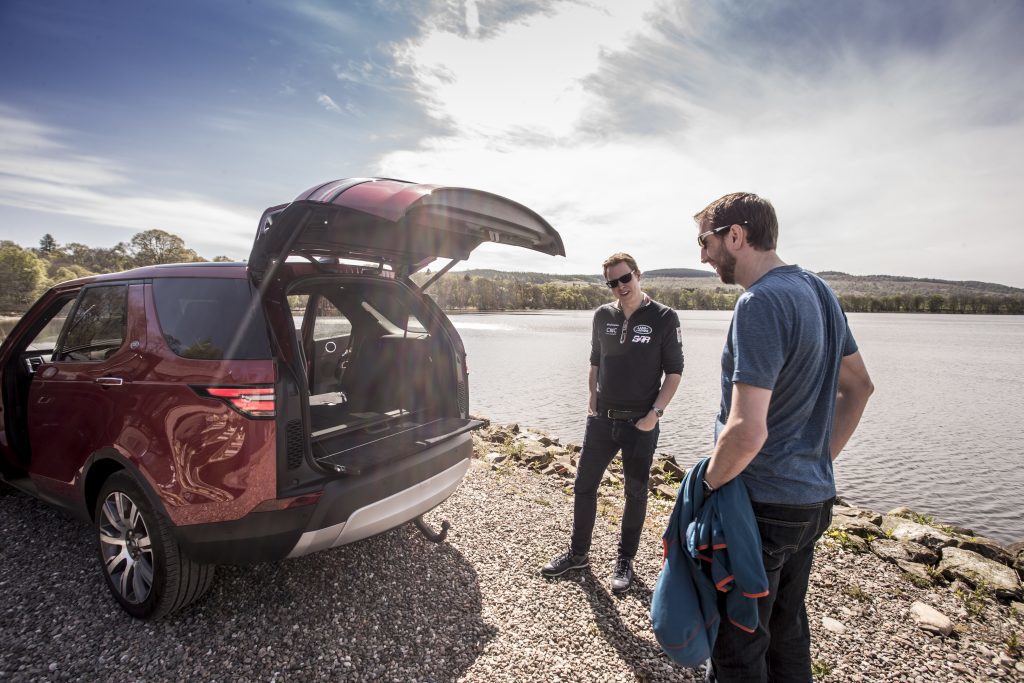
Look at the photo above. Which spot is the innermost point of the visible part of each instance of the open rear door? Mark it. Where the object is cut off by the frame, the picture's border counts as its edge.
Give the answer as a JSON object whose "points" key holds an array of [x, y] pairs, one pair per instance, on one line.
{"points": [[402, 224]]}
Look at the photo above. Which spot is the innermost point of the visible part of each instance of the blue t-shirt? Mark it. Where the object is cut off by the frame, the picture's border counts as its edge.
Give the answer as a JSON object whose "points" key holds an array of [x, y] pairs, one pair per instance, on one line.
{"points": [[789, 334]]}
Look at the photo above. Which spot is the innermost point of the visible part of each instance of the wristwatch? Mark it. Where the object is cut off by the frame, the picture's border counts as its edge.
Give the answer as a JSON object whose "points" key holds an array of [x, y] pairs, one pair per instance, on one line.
{"points": [[658, 411], [708, 488]]}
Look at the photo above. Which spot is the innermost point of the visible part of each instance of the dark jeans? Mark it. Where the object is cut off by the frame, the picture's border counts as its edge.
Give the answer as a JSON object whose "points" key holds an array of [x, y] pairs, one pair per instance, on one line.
{"points": [[602, 440], [780, 648]]}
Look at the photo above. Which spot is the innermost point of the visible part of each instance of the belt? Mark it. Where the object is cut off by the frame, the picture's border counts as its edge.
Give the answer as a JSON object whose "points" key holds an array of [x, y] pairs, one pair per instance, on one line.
{"points": [[625, 414]]}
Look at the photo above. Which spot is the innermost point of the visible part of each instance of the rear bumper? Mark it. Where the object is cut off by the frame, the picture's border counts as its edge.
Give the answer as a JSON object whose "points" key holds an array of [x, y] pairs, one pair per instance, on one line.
{"points": [[350, 509]]}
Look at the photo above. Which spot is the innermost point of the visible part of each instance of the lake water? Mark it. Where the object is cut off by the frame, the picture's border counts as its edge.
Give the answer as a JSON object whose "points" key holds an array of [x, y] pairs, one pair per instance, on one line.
{"points": [[941, 434]]}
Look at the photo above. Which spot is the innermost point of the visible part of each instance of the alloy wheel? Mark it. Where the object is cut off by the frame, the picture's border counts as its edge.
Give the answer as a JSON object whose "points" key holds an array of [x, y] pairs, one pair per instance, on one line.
{"points": [[126, 547]]}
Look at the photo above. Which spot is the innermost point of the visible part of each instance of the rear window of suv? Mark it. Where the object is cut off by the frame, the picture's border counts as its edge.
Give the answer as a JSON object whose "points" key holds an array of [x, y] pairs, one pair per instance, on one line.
{"points": [[211, 318]]}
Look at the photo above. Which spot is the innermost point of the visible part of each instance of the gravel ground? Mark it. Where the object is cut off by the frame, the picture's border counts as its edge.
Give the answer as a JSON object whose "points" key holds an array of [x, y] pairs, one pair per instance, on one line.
{"points": [[398, 608]]}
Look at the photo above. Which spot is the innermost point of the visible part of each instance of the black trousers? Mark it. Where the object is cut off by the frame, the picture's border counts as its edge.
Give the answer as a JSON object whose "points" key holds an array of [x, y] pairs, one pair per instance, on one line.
{"points": [[604, 438], [780, 648]]}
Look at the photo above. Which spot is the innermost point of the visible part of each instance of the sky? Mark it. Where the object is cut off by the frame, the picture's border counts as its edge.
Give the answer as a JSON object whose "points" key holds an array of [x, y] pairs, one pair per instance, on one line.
{"points": [[888, 135]]}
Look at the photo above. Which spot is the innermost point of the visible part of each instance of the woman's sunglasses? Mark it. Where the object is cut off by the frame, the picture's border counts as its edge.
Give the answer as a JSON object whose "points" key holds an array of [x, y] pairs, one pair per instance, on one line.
{"points": [[612, 284]]}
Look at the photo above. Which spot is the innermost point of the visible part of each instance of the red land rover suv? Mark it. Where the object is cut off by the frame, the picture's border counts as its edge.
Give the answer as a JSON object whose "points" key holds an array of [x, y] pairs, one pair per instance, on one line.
{"points": [[204, 414]]}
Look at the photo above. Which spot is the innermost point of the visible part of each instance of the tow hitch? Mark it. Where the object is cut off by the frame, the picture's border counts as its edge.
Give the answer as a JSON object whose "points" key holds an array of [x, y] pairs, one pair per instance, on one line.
{"points": [[435, 536]]}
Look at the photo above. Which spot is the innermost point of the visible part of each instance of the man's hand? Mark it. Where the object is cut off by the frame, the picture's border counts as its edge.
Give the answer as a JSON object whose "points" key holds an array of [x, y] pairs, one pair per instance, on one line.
{"points": [[648, 421]]}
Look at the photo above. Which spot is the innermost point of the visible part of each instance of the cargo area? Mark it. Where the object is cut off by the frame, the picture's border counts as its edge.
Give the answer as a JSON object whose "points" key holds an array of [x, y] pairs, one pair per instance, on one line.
{"points": [[382, 372]]}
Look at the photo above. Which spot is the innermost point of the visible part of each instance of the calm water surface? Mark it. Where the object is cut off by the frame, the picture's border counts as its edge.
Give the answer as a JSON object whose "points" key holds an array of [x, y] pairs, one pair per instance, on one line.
{"points": [[941, 434]]}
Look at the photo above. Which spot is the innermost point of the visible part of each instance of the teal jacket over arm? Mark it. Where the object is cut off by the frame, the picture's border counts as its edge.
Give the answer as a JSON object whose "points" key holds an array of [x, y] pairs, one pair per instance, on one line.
{"points": [[712, 546]]}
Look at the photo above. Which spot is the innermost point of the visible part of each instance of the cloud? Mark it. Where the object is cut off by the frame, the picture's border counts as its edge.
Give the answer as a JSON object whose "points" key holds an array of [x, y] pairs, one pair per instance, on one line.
{"points": [[881, 132], [327, 103], [39, 172]]}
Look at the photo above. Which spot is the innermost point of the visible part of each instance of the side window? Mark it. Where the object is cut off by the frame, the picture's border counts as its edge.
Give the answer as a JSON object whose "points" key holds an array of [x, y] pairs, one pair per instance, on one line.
{"points": [[98, 326], [211, 318], [330, 323], [46, 340]]}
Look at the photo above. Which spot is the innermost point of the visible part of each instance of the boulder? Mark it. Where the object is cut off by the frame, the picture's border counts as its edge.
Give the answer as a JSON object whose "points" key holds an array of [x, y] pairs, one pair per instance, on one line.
{"points": [[975, 570], [563, 466], [857, 513], [854, 526], [495, 457], [498, 436], [1017, 550], [986, 548], [902, 511], [930, 619], [675, 470], [892, 550], [905, 530], [537, 459], [1018, 609], [665, 491], [915, 570], [957, 529]]}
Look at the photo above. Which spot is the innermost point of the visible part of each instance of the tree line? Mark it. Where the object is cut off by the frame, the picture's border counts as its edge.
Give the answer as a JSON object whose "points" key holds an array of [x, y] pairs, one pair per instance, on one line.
{"points": [[25, 273], [464, 292]]}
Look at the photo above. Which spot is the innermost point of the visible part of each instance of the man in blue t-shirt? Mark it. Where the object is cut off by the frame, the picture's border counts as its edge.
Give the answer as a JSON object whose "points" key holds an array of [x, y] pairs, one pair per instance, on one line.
{"points": [[794, 388]]}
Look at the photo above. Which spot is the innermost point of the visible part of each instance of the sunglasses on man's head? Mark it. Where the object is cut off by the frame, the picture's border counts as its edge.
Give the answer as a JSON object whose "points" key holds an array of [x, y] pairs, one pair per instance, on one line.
{"points": [[702, 238], [612, 284]]}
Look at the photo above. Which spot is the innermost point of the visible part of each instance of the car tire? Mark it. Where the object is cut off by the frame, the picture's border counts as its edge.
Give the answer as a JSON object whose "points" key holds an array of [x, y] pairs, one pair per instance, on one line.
{"points": [[145, 569]]}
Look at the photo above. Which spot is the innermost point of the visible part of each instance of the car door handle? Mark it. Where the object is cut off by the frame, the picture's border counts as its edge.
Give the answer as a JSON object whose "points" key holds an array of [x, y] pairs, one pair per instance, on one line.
{"points": [[110, 381]]}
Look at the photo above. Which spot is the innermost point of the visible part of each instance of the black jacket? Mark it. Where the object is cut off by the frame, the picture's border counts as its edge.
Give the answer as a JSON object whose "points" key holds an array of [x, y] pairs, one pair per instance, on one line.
{"points": [[631, 355]]}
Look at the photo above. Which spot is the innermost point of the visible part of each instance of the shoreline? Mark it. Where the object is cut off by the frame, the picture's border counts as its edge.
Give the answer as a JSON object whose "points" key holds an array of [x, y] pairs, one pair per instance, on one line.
{"points": [[983, 577]]}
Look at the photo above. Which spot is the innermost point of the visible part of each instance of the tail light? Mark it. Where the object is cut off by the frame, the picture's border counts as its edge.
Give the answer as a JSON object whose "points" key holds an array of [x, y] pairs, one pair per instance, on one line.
{"points": [[249, 401]]}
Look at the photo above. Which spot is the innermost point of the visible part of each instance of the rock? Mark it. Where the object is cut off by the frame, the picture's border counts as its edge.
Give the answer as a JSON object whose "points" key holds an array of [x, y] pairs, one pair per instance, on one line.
{"points": [[930, 619], [902, 511], [563, 466], [666, 457], [959, 530], [869, 516], [675, 470], [833, 625], [1017, 550], [974, 569], [915, 570], [986, 548], [891, 550], [855, 526], [546, 440], [1018, 609], [538, 460], [495, 457], [841, 502], [905, 530], [666, 491]]}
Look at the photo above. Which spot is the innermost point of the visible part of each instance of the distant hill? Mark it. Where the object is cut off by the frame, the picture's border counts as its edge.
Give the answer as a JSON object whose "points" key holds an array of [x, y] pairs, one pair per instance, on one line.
{"points": [[872, 285], [842, 283], [688, 288]]}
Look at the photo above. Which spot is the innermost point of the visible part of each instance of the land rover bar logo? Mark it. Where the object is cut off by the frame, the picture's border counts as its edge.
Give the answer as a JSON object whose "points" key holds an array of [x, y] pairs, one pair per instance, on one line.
{"points": [[642, 329]]}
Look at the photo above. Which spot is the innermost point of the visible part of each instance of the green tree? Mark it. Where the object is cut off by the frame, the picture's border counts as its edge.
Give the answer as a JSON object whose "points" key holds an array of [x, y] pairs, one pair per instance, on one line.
{"points": [[47, 245], [22, 277], [156, 246]]}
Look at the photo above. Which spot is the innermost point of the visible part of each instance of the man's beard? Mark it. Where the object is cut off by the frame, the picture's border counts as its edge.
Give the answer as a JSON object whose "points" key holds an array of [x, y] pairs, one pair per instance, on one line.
{"points": [[727, 268]]}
